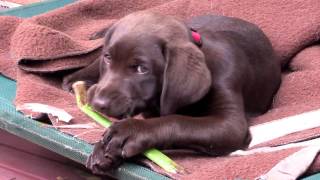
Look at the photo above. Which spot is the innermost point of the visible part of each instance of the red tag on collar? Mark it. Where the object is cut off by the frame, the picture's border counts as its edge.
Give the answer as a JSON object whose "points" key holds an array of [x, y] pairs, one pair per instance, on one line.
{"points": [[196, 37]]}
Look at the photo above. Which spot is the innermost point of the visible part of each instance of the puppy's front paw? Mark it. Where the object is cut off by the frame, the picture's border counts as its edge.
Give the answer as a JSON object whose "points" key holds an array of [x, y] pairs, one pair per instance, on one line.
{"points": [[122, 140], [100, 164]]}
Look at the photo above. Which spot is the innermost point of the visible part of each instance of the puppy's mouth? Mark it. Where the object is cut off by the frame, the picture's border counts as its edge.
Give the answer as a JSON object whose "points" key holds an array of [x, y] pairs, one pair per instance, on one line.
{"points": [[134, 108], [122, 109], [115, 104]]}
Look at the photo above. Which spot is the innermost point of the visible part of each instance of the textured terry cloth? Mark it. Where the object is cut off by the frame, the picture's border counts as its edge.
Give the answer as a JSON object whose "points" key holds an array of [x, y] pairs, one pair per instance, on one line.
{"points": [[47, 46]]}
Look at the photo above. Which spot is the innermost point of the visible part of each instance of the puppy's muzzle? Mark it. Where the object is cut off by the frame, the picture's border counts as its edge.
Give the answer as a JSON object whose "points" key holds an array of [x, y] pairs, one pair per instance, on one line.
{"points": [[110, 103]]}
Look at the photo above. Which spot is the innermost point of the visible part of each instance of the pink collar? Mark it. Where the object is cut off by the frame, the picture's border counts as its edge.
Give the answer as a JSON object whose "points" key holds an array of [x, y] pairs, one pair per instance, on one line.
{"points": [[196, 37]]}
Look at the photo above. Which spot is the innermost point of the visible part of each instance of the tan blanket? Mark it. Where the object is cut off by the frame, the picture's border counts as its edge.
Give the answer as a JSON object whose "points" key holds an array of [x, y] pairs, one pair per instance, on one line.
{"points": [[38, 51]]}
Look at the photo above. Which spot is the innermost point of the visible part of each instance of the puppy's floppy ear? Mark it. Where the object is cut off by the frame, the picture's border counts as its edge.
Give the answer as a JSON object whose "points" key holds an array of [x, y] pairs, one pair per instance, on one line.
{"points": [[186, 77]]}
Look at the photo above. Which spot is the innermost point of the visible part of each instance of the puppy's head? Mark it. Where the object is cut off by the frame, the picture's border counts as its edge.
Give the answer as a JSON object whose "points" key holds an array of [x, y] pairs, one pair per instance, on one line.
{"points": [[148, 64]]}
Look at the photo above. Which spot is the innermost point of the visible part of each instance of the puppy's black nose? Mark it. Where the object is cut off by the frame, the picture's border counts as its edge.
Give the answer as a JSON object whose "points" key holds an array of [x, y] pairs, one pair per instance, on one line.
{"points": [[101, 104]]}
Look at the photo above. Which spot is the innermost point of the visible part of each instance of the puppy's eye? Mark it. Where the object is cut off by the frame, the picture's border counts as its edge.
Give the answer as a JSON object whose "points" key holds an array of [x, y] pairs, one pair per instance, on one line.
{"points": [[140, 69], [107, 58]]}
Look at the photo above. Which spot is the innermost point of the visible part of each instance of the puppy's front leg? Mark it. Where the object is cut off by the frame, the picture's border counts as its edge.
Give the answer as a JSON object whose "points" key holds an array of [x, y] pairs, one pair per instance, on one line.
{"points": [[215, 135]]}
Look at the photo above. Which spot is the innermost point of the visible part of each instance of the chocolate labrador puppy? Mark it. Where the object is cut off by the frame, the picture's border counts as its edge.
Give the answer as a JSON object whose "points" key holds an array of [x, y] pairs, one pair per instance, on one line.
{"points": [[196, 84]]}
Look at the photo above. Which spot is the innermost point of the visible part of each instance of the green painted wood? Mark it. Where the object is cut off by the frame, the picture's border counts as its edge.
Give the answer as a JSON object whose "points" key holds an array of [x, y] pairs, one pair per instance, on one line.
{"points": [[63, 144], [35, 8], [312, 177]]}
